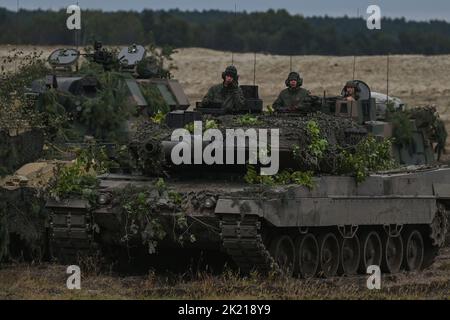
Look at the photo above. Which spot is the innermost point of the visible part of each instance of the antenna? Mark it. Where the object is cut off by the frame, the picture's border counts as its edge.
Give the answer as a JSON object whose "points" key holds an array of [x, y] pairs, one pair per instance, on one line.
{"points": [[235, 16], [354, 67], [387, 81], [76, 31], [254, 69], [77, 40], [17, 35], [290, 63]]}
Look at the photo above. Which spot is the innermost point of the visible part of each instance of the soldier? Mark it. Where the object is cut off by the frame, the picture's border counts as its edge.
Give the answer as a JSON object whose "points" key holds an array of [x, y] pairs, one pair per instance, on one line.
{"points": [[351, 91], [294, 96], [228, 93]]}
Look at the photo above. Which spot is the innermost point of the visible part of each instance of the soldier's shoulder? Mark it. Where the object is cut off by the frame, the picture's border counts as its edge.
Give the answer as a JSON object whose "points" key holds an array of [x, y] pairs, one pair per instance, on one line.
{"points": [[285, 90], [216, 87], [305, 90]]}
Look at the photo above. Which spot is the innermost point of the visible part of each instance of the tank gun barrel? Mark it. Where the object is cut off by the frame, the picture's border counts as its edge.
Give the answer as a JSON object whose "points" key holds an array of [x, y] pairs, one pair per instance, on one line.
{"points": [[148, 150]]}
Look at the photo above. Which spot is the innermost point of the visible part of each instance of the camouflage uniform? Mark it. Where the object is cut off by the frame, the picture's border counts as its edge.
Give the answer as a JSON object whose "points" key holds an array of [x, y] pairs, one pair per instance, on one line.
{"points": [[230, 97], [291, 98]]}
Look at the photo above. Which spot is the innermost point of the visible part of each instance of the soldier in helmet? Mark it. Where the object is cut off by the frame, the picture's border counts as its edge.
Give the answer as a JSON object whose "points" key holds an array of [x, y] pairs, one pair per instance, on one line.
{"points": [[351, 91], [294, 96], [228, 93]]}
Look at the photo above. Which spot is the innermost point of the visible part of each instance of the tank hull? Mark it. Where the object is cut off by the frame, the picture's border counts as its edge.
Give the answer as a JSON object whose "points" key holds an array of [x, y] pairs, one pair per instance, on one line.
{"points": [[398, 210]]}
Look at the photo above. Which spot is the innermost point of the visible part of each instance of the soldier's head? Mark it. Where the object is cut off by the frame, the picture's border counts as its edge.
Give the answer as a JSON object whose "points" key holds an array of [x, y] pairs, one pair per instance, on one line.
{"points": [[294, 80], [229, 75], [350, 88], [97, 45]]}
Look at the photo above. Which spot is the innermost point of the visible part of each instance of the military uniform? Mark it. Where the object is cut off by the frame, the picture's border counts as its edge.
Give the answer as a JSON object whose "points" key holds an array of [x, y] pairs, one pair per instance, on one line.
{"points": [[230, 97], [291, 98]]}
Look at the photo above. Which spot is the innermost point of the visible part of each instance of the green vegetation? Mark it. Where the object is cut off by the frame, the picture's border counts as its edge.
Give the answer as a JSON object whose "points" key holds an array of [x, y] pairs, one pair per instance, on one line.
{"points": [[370, 155], [80, 177], [16, 109], [282, 32], [402, 126], [248, 120], [159, 117], [318, 144], [284, 177], [208, 124], [151, 93], [104, 116], [138, 209], [73, 181]]}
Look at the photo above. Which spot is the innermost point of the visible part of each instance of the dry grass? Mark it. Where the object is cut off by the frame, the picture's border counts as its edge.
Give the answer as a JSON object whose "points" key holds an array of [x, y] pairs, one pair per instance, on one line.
{"points": [[47, 281]]}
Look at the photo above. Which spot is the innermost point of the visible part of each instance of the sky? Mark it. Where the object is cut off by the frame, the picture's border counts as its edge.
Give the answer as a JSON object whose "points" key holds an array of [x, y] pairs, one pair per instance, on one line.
{"points": [[410, 9]]}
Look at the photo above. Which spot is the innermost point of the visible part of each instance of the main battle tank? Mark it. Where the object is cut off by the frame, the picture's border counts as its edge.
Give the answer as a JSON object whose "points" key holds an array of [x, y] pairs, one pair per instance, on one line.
{"points": [[311, 219]]}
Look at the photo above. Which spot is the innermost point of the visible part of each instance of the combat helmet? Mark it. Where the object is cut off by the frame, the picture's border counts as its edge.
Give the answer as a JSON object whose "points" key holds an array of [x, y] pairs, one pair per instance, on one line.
{"points": [[232, 71], [294, 76], [352, 84]]}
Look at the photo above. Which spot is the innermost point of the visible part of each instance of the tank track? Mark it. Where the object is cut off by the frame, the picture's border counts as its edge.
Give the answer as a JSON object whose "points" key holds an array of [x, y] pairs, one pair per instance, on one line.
{"points": [[71, 232], [243, 242]]}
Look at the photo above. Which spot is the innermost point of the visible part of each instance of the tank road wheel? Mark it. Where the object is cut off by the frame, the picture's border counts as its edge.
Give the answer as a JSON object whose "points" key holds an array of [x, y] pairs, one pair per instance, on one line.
{"points": [[329, 254], [414, 252], [350, 255], [371, 250], [392, 254], [307, 256], [283, 252]]}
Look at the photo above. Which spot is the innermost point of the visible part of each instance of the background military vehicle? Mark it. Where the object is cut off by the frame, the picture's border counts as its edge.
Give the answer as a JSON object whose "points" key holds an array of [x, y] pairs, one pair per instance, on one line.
{"points": [[143, 82], [332, 225]]}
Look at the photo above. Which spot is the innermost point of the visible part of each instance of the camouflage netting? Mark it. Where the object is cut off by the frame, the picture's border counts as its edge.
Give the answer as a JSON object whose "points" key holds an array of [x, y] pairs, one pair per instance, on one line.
{"points": [[425, 118], [145, 146], [139, 214], [296, 139]]}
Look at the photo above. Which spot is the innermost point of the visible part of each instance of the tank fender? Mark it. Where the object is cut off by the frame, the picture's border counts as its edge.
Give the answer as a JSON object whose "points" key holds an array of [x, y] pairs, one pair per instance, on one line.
{"points": [[442, 190], [68, 203], [238, 206]]}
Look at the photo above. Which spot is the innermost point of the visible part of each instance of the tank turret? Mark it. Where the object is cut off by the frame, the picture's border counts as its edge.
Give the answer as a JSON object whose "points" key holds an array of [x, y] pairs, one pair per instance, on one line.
{"points": [[343, 123]]}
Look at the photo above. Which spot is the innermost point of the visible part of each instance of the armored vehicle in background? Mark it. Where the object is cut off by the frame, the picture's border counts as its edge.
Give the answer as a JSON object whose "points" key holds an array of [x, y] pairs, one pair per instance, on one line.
{"points": [[138, 83], [329, 225]]}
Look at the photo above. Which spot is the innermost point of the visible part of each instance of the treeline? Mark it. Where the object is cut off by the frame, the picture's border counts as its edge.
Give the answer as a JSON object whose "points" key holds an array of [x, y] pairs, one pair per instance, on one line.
{"points": [[276, 32]]}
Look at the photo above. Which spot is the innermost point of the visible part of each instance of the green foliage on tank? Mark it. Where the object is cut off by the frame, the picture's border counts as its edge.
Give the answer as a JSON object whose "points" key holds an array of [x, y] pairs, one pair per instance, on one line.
{"points": [[370, 155], [154, 97]]}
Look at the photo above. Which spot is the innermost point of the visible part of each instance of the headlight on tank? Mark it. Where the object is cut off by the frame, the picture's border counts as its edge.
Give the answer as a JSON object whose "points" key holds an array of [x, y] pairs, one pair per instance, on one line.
{"points": [[103, 198], [209, 203]]}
